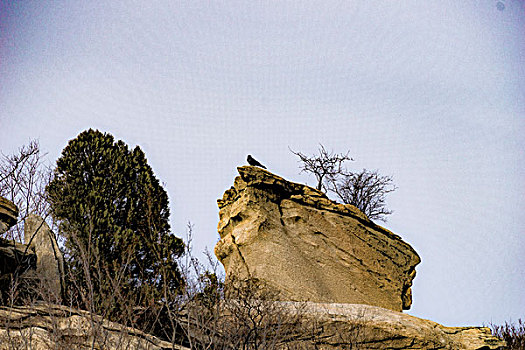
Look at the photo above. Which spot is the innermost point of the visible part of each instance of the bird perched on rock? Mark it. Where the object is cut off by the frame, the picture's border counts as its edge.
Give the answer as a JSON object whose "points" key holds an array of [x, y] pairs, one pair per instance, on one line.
{"points": [[253, 162]]}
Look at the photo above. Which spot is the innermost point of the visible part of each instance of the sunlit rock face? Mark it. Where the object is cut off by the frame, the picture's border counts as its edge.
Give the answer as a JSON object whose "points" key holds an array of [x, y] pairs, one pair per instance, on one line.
{"points": [[305, 247], [370, 327], [50, 261], [49, 326]]}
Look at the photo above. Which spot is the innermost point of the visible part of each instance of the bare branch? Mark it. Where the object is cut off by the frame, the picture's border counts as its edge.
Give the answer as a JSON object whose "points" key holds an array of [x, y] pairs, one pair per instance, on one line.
{"points": [[366, 190], [23, 178], [326, 164]]}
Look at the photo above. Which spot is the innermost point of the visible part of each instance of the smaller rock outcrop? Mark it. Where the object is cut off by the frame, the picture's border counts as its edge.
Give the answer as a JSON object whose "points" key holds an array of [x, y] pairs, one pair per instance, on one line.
{"points": [[371, 327], [16, 259], [49, 326], [50, 262], [37, 265], [305, 247], [331, 326]]}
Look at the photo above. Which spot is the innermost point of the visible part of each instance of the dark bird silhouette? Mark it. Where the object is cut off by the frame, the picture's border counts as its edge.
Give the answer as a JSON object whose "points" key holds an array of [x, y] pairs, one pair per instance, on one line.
{"points": [[253, 162]]}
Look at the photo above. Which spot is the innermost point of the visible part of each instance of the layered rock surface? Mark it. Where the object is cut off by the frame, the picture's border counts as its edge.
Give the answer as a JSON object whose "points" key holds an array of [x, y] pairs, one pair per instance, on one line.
{"points": [[48, 326], [306, 247], [368, 327], [321, 327]]}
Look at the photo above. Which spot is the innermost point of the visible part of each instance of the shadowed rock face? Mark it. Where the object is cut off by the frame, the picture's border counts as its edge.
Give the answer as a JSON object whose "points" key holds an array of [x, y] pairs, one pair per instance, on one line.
{"points": [[40, 258], [308, 248], [8, 214], [14, 257]]}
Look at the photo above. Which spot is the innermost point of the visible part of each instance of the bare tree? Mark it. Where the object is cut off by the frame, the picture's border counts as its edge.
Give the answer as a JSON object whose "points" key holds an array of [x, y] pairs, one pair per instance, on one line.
{"points": [[23, 179], [366, 190], [322, 166], [14, 162]]}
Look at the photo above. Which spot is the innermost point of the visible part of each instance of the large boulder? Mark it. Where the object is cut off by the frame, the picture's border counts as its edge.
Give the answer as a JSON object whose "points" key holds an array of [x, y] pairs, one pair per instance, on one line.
{"points": [[306, 247]]}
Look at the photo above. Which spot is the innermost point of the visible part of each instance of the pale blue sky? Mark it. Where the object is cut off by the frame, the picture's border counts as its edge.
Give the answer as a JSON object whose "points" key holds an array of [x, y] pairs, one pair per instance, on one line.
{"points": [[430, 92]]}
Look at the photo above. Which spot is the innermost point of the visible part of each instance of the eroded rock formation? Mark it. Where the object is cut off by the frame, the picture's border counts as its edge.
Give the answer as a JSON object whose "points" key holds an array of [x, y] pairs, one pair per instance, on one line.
{"points": [[306, 247], [348, 277]]}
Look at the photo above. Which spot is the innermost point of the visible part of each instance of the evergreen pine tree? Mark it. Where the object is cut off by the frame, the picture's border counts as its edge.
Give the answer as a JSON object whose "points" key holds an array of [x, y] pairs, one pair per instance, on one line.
{"points": [[114, 217]]}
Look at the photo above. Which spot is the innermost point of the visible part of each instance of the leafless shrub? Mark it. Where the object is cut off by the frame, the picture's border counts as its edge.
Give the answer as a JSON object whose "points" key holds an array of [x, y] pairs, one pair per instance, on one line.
{"points": [[37, 322], [247, 317], [242, 314], [323, 166], [23, 179], [513, 334], [366, 190], [87, 327]]}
